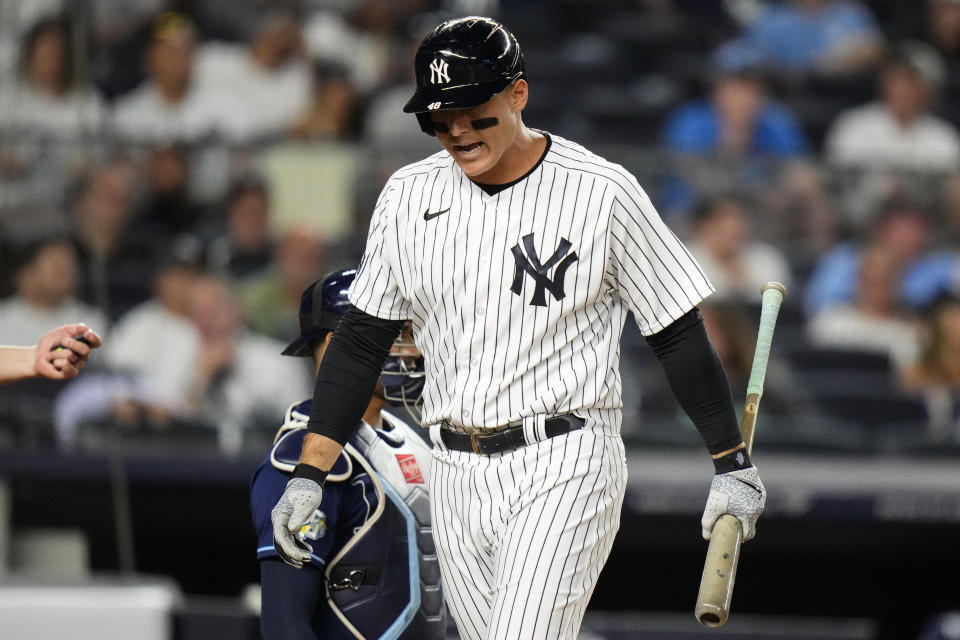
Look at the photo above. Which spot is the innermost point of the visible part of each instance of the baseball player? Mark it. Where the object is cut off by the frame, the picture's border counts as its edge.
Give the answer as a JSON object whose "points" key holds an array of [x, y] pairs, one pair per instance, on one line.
{"points": [[373, 571], [517, 256]]}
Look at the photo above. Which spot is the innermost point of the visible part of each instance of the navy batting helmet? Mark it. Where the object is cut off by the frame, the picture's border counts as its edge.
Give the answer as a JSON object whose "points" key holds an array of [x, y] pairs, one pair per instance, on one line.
{"points": [[462, 64], [321, 306]]}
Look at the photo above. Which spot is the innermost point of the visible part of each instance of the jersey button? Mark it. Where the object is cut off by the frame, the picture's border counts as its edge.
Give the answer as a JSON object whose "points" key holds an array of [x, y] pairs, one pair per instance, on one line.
{"points": [[475, 363], [481, 311], [466, 415]]}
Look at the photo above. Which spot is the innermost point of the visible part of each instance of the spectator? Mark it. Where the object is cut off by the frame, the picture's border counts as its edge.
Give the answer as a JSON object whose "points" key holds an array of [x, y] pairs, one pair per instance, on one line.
{"points": [[826, 37], [738, 119], [272, 299], [898, 131], [365, 39], [48, 97], [156, 375], [263, 85], [45, 282], [170, 105], [209, 371], [121, 30], [904, 231], [115, 262], [48, 115], [737, 266], [875, 320], [234, 20], [243, 248], [236, 378], [332, 113], [943, 32], [935, 375], [16, 19], [167, 208], [740, 140]]}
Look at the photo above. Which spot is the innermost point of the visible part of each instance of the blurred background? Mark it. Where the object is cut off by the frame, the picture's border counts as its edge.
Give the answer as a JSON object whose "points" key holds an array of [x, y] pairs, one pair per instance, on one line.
{"points": [[175, 172]]}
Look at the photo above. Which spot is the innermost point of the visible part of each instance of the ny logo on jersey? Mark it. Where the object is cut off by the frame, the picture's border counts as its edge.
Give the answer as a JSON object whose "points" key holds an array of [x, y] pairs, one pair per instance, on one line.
{"points": [[438, 71], [530, 264]]}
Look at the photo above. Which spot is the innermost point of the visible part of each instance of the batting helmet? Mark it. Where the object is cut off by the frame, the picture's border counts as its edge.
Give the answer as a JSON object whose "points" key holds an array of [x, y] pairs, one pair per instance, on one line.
{"points": [[462, 64], [321, 306]]}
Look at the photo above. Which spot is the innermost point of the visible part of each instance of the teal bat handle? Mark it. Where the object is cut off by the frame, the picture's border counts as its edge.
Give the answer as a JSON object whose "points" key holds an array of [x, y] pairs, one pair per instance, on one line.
{"points": [[773, 295]]}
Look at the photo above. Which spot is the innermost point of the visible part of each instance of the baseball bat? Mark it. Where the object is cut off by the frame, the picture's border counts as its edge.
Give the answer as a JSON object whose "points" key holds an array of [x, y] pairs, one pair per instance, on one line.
{"points": [[723, 553]]}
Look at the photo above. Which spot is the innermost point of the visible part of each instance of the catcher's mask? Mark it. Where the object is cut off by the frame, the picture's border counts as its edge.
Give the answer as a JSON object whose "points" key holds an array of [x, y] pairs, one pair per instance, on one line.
{"points": [[403, 374]]}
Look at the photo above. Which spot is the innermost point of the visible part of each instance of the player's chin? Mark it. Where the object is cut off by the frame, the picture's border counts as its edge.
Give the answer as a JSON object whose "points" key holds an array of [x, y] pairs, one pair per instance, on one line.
{"points": [[475, 161]]}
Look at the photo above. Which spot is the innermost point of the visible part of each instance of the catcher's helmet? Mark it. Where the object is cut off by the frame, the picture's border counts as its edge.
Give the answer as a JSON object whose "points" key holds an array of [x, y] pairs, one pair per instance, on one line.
{"points": [[403, 375], [321, 306], [462, 64]]}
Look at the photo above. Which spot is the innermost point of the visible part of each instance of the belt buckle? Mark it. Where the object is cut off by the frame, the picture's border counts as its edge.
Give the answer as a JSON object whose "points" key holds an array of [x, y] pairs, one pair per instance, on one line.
{"points": [[352, 580], [474, 443]]}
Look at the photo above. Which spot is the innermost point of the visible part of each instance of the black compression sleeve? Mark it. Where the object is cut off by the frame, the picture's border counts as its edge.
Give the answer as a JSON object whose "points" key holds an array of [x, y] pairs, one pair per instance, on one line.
{"points": [[349, 373], [698, 380]]}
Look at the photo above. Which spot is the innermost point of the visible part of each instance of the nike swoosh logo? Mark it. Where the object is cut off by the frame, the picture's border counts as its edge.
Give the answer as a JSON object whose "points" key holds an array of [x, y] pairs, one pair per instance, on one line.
{"points": [[430, 216]]}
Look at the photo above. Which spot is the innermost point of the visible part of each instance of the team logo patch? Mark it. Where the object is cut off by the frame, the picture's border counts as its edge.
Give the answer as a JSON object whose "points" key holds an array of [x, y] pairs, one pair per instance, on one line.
{"points": [[439, 71], [410, 468], [316, 526], [530, 264]]}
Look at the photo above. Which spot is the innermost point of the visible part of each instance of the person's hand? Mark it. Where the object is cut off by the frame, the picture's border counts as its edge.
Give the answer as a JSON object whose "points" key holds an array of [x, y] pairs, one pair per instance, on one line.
{"points": [[213, 357], [300, 499], [60, 354], [739, 493]]}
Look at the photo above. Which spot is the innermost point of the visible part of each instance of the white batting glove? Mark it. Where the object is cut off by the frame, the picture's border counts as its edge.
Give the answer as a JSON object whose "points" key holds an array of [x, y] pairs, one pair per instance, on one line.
{"points": [[739, 492], [299, 500]]}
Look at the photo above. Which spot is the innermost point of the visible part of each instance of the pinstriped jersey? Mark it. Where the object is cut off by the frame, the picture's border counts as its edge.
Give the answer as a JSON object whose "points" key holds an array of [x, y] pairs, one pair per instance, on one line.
{"points": [[518, 299]]}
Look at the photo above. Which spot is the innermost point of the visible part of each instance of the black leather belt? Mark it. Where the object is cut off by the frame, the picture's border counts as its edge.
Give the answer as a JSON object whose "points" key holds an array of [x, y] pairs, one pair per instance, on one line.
{"points": [[509, 438]]}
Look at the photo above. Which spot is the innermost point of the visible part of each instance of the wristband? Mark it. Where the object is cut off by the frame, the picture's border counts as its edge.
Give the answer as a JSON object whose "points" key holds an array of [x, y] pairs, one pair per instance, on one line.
{"points": [[310, 472], [733, 461]]}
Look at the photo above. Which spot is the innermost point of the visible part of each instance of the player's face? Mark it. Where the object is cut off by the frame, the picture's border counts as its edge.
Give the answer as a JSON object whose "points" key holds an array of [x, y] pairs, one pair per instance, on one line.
{"points": [[478, 145]]}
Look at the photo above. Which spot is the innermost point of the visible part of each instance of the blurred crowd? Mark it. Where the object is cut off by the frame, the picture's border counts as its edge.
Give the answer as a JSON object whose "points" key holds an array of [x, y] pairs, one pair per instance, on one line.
{"points": [[175, 172]]}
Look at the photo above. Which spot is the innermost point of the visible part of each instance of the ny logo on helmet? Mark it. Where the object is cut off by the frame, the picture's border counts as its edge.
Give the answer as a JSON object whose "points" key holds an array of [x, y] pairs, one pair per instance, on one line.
{"points": [[530, 264], [438, 71]]}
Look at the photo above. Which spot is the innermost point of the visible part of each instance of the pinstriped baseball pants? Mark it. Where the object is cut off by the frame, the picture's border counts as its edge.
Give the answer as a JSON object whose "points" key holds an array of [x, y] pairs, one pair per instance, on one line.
{"points": [[522, 536]]}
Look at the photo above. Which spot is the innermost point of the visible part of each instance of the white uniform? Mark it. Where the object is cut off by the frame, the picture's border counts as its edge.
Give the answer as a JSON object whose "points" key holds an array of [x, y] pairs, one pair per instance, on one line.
{"points": [[518, 300]]}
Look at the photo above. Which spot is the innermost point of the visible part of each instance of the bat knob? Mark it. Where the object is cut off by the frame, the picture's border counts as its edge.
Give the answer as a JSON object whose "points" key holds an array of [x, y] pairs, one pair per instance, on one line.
{"points": [[711, 616], [719, 573], [774, 285]]}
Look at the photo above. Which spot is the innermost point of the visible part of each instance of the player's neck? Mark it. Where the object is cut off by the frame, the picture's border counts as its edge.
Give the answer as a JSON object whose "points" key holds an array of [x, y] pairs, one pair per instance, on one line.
{"points": [[372, 415], [520, 157]]}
